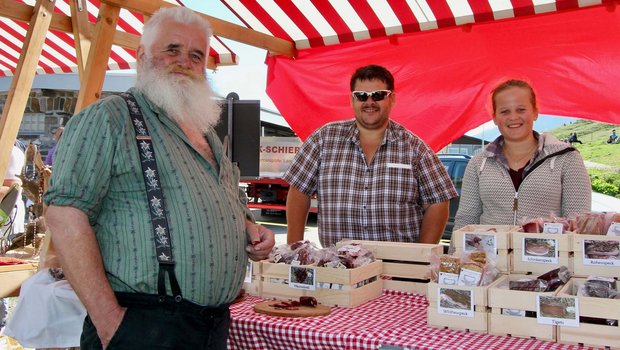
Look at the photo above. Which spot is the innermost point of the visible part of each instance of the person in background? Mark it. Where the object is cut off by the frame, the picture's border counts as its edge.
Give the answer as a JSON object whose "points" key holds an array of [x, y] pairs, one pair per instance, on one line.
{"points": [[100, 218], [49, 159], [374, 179], [13, 211], [521, 174], [613, 138], [573, 138]]}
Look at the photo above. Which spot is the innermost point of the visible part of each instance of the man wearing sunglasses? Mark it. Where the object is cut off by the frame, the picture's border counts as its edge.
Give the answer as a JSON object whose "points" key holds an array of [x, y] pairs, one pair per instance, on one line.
{"points": [[374, 179]]}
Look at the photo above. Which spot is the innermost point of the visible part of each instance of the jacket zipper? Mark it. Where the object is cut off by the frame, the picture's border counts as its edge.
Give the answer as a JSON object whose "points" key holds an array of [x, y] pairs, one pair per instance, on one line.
{"points": [[515, 207], [515, 204]]}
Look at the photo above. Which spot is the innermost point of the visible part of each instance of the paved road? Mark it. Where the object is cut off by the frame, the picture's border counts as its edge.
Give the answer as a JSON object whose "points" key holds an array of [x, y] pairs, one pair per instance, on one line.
{"points": [[601, 202]]}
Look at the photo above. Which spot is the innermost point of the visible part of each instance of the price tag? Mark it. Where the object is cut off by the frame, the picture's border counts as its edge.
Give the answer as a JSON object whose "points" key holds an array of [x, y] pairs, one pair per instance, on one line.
{"points": [[553, 227], [557, 311], [614, 229]]}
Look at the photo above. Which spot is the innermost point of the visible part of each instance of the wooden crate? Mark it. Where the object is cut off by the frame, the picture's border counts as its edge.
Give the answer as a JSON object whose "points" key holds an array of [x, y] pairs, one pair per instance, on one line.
{"points": [[500, 297], [12, 277], [477, 323], [590, 334], [564, 258], [406, 266], [584, 267], [502, 234], [254, 286], [335, 287]]}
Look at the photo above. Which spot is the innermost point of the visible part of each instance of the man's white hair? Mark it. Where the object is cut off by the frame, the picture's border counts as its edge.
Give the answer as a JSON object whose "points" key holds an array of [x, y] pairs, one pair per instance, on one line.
{"points": [[177, 14]]}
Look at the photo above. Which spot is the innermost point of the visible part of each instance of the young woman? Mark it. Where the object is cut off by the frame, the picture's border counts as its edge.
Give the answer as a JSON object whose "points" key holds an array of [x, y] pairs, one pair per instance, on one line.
{"points": [[522, 174]]}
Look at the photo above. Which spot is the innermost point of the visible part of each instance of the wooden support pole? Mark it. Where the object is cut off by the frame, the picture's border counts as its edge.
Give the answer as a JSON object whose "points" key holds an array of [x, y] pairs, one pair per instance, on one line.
{"points": [[98, 57], [81, 33], [21, 84]]}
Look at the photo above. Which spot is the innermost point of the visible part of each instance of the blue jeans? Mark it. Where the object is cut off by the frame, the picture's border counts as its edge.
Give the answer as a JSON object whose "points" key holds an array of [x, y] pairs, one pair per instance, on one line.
{"points": [[150, 324]]}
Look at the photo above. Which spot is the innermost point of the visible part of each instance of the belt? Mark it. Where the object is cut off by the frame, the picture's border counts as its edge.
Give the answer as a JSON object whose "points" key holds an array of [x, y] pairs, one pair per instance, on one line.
{"points": [[169, 302]]}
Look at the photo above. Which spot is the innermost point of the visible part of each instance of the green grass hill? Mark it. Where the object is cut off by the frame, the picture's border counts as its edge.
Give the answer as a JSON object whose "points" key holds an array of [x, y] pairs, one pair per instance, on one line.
{"points": [[601, 158], [594, 136]]}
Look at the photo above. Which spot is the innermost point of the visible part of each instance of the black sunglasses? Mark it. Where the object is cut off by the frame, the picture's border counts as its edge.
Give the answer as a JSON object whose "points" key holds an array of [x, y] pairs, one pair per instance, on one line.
{"points": [[377, 95]]}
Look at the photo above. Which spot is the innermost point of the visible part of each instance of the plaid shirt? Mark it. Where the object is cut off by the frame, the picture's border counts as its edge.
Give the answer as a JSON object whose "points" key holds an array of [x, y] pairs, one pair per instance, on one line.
{"points": [[378, 201]]}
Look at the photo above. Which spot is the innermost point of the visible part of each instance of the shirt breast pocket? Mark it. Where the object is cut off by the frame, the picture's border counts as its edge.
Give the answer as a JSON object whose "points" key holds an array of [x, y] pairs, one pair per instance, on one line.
{"points": [[397, 184]]}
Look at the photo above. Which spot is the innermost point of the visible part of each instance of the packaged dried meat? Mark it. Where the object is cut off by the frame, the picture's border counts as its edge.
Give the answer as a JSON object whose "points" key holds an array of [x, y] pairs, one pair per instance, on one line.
{"points": [[530, 285], [555, 278]]}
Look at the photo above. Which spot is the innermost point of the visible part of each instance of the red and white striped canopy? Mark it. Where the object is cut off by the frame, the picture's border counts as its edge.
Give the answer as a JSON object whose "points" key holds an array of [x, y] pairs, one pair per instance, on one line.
{"points": [[59, 55], [446, 56], [317, 23]]}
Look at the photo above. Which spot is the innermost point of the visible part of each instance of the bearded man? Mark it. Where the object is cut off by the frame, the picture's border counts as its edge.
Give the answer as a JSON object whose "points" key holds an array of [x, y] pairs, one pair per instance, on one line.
{"points": [[142, 288]]}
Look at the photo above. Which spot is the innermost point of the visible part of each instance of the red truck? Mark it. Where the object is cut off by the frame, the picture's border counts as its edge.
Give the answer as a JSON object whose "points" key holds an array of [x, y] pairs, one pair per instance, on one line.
{"points": [[268, 192]]}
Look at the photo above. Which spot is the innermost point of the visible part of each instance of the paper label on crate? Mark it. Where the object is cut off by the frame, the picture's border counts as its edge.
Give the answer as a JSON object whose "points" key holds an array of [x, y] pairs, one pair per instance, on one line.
{"points": [[277, 258], [540, 250], [553, 227], [614, 229], [324, 285], [557, 311], [302, 277], [513, 312], [451, 279], [455, 302], [601, 253], [469, 277], [475, 241], [248, 273]]}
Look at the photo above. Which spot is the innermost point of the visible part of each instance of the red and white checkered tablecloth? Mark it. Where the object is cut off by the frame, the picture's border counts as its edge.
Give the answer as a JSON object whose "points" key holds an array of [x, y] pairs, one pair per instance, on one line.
{"points": [[395, 318]]}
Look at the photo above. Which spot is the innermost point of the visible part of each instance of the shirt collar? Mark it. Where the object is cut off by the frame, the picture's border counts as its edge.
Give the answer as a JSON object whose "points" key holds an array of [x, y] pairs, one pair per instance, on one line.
{"points": [[391, 133]]}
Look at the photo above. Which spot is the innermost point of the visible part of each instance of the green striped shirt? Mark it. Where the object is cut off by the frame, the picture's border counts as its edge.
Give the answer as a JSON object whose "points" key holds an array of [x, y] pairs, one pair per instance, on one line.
{"points": [[97, 170]]}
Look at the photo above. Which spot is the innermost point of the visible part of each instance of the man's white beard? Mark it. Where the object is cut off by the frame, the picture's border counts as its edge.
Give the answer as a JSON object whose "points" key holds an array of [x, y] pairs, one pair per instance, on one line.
{"points": [[186, 99]]}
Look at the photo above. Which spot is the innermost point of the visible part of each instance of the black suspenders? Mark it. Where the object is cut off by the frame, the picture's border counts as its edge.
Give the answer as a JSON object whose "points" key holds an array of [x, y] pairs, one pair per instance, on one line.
{"points": [[157, 209]]}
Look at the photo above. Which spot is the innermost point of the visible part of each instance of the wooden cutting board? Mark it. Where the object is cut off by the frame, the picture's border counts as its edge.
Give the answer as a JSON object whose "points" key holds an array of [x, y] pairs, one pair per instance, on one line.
{"points": [[303, 311]]}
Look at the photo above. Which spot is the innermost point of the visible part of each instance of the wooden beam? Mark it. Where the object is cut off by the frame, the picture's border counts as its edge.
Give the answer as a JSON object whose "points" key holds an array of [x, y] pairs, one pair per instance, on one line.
{"points": [[21, 83], [90, 90], [81, 33], [220, 27]]}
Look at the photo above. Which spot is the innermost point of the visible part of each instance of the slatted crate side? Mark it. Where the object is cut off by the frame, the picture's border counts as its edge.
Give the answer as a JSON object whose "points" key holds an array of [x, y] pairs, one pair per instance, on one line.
{"points": [[342, 285], [581, 269], [589, 334], [409, 277], [254, 287], [12, 277], [406, 266], [334, 297], [326, 274], [477, 323], [500, 297], [565, 253], [406, 286], [397, 269], [399, 251]]}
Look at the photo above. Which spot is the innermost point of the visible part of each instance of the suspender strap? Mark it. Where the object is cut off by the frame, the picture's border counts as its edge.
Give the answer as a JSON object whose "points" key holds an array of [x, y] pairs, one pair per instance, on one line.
{"points": [[157, 209]]}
